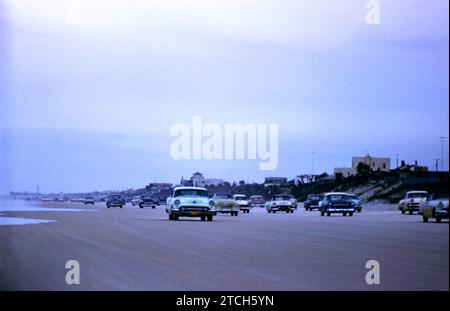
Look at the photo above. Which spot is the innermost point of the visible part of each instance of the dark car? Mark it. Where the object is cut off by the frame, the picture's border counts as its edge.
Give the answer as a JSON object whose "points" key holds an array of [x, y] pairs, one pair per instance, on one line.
{"points": [[147, 200], [89, 200], [115, 200], [312, 202], [337, 202]]}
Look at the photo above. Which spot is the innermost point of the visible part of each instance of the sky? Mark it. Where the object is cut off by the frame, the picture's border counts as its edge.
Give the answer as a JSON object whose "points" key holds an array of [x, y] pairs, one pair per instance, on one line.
{"points": [[89, 89]]}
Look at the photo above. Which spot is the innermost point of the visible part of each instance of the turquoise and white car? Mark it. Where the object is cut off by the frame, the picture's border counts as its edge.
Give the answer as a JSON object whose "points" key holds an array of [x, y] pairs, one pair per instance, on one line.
{"points": [[190, 202]]}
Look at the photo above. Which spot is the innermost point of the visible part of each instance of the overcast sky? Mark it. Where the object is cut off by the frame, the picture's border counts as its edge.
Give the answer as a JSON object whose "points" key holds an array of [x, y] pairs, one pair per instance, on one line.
{"points": [[89, 89]]}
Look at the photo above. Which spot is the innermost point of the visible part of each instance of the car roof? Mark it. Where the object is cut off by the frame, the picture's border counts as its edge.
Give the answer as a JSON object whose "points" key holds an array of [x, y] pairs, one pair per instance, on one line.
{"points": [[417, 191], [189, 188], [336, 193]]}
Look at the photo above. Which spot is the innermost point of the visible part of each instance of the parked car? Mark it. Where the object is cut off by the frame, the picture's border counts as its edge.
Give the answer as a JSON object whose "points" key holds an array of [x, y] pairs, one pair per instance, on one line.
{"points": [[257, 201], [411, 202], [280, 202], [190, 202], [89, 200], [337, 202], [224, 203], [136, 200], [242, 202], [358, 202], [115, 200], [436, 206], [147, 200], [312, 202]]}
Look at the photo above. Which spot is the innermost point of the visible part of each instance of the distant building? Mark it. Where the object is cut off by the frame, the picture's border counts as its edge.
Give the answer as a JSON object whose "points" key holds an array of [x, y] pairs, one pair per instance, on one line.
{"points": [[198, 180], [275, 181], [375, 164], [412, 167]]}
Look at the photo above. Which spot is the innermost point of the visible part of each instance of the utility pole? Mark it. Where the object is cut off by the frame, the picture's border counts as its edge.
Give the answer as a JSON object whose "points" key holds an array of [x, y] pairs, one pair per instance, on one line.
{"points": [[442, 140], [437, 164], [397, 160]]}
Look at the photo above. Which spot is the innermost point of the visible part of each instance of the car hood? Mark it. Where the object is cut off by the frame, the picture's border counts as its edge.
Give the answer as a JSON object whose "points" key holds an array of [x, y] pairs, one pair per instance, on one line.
{"points": [[192, 200], [284, 202]]}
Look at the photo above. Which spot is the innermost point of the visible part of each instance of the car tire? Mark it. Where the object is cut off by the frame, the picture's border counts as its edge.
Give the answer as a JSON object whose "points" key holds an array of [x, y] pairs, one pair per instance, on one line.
{"points": [[140, 206], [322, 213], [170, 217], [202, 218], [328, 214], [344, 214], [107, 206], [425, 218], [153, 206], [438, 219], [350, 214], [120, 206], [403, 212], [209, 218], [175, 217], [359, 210], [410, 212]]}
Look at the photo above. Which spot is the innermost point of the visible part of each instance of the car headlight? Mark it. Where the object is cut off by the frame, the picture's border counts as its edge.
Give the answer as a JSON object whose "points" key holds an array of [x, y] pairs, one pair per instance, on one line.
{"points": [[329, 203], [176, 203], [211, 203]]}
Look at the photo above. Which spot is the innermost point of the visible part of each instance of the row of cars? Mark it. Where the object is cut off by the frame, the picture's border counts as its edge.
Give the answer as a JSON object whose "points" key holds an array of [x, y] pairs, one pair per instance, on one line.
{"points": [[429, 206], [195, 202], [334, 202]]}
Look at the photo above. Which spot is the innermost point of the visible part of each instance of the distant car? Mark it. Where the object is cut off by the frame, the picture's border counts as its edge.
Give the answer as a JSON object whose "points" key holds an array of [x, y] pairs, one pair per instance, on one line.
{"points": [[242, 202], [293, 200], [257, 201], [358, 202], [280, 202], [337, 202], [312, 202], [224, 203], [411, 202], [89, 200], [115, 200], [74, 200], [436, 206], [147, 200], [136, 200], [190, 202]]}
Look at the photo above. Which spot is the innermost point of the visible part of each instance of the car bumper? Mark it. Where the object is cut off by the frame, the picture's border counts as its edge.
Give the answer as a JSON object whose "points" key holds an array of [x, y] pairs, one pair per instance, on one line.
{"points": [[226, 210], [281, 208], [193, 213], [340, 209]]}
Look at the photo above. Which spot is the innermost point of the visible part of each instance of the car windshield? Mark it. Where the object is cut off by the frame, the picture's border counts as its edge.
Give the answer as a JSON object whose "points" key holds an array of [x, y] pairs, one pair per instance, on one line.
{"points": [[314, 197], [240, 197], [416, 195], [282, 198], [223, 196], [146, 197], [136, 198], [338, 197], [112, 197], [89, 198], [190, 192]]}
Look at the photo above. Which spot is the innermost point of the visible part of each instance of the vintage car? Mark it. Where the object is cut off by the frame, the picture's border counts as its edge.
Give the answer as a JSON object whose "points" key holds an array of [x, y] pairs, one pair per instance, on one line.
{"points": [[337, 202], [280, 202], [358, 202], [89, 200], [257, 201], [190, 202], [224, 203], [242, 202], [411, 202], [312, 202], [115, 200], [136, 200], [147, 200], [436, 206]]}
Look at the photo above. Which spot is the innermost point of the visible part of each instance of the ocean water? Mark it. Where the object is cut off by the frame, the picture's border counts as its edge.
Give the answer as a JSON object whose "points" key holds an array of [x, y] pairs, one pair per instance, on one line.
{"points": [[7, 205]]}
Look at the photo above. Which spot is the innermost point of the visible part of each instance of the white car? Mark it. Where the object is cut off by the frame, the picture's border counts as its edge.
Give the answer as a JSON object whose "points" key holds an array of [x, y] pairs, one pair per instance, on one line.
{"points": [[242, 202], [190, 202], [436, 206], [224, 203], [280, 202], [411, 202], [136, 200]]}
